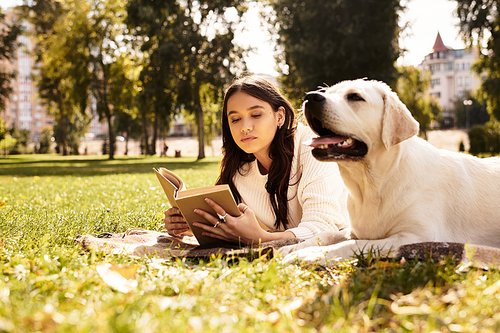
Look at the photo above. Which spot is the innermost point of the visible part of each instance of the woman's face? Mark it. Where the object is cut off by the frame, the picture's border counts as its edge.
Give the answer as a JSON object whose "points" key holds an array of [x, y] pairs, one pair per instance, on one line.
{"points": [[253, 123]]}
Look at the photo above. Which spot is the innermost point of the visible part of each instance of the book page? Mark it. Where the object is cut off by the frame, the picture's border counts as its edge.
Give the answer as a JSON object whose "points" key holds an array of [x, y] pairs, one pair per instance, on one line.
{"points": [[202, 190], [172, 178], [168, 187]]}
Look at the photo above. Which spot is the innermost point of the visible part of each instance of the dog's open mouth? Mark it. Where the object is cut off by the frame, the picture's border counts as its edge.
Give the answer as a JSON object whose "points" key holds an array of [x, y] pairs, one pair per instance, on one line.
{"points": [[331, 146]]}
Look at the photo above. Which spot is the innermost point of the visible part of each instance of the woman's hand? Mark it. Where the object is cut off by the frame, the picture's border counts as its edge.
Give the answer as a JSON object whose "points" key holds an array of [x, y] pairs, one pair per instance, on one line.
{"points": [[175, 223], [244, 228]]}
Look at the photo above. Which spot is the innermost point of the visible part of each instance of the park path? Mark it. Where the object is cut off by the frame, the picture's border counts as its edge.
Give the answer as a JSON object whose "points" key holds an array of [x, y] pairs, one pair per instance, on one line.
{"points": [[448, 139], [444, 139], [186, 145]]}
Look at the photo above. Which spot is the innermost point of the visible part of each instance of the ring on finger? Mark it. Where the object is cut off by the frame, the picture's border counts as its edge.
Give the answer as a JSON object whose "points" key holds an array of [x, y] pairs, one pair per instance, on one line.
{"points": [[244, 209], [173, 231], [222, 218], [216, 225]]}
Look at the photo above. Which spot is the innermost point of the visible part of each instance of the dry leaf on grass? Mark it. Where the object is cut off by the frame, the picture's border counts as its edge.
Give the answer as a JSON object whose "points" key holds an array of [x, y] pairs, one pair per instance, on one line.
{"points": [[121, 278]]}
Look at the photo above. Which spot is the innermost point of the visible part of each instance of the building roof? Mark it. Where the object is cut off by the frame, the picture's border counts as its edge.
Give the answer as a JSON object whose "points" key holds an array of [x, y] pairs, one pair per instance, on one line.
{"points": [[439, 45]]}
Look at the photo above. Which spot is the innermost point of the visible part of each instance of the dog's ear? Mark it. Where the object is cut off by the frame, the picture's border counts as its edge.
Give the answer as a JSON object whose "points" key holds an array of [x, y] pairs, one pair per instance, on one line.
{"points": [[398, 123]]}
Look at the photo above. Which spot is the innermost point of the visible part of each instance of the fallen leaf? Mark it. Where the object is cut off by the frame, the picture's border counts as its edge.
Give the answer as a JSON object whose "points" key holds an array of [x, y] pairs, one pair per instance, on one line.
{"points": [[121, 278]]}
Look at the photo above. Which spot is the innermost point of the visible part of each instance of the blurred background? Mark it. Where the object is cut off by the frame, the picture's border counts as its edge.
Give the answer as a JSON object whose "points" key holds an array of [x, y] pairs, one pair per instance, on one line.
{"points": [[129, 77]]}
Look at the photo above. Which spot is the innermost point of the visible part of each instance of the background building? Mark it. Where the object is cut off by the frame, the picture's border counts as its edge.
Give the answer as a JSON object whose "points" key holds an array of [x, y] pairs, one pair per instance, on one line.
{"points": [[24, 109], [451, 74]]}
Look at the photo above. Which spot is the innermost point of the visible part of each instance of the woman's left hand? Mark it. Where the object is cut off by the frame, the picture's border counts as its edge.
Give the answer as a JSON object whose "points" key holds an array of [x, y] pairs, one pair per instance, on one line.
{"points": [[244, 228]]}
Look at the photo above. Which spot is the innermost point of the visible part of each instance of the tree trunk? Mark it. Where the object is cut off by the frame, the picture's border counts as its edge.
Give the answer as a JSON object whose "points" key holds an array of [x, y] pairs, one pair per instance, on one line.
{"points": [[145, 129], [111, 134], [199, 120], [126, 143], [155, 136], [62, 124], [107, 110]]}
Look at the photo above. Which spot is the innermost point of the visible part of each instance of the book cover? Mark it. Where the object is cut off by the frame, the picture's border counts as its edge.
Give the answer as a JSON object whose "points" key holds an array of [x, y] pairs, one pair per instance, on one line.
{"points": [[189, 199]]}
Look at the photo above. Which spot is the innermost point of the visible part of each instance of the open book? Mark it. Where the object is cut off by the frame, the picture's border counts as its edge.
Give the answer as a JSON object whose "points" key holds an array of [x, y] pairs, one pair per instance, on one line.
{"points": [[188, 200]]}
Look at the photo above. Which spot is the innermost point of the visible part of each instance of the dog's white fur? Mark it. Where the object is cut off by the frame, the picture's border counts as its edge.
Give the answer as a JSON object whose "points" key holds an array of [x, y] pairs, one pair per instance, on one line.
{"points": [[404, 190]]}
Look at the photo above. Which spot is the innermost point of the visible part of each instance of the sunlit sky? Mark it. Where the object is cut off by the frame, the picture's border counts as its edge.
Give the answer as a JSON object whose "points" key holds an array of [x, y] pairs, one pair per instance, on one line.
{"points": [[426, 19]]}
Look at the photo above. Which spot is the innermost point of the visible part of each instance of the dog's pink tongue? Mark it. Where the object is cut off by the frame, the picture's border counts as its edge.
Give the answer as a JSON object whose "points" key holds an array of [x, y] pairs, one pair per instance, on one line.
{"points": [[325, 140]]}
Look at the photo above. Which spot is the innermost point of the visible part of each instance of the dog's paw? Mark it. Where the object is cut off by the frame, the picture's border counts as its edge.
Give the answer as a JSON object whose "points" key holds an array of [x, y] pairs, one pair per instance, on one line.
{"points": [[287, 249], [295, 247], [318, 255], [322, 239]]}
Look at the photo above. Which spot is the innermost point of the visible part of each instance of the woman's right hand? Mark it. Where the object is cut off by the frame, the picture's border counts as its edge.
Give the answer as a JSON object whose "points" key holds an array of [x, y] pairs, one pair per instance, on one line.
{"points": [[175, 223]]}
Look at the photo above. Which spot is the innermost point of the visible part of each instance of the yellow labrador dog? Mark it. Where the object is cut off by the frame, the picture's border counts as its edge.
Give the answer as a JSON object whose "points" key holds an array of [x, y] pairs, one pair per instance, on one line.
{"points": [[402, 190]]}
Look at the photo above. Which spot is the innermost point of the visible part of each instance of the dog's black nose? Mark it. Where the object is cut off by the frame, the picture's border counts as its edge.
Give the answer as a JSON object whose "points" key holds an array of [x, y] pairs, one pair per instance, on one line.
{"points": [[315, 97], [314, 103]]}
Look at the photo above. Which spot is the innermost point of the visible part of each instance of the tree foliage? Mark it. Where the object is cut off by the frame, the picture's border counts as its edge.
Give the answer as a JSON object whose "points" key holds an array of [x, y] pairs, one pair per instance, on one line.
{"points": [[3, 129], [324, 42], [189, 45], [112, 72], [9, 31], [21, 140], [480, 25], [82, 48], [61, 32], [485, 138], [209, 59], [128, 125], [45, 146], [474, 114], [411, 87], [152, 22], [88, 51], [78, 125]]}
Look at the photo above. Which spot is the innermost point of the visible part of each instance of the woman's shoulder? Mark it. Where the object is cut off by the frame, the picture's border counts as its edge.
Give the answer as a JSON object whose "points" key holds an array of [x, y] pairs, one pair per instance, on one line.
{"points": [[303, 133], [304, 156]]}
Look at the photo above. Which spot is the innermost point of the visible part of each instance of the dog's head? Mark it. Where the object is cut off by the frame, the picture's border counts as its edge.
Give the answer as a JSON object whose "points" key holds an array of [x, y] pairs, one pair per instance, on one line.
{"points": [[353, 118]]}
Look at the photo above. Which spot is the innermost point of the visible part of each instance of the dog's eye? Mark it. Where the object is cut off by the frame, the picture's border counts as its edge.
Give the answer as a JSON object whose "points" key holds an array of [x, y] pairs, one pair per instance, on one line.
{"points": [[354, 97]]}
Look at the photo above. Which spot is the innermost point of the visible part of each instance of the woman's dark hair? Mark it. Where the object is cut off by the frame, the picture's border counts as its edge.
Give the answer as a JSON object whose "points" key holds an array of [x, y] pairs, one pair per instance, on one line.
{"points": [[281, 150]]}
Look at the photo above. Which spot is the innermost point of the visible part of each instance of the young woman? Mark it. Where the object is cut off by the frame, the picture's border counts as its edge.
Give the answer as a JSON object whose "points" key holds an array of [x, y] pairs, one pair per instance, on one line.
{"points": [[280, 185]]}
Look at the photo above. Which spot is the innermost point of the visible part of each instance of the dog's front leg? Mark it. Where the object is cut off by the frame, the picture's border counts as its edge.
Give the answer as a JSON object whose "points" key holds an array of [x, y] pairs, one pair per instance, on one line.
{"points": [[322, 255], [328, 255]]}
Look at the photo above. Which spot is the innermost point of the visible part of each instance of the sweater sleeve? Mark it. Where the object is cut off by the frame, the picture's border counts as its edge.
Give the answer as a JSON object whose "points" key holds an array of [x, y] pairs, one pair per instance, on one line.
{"points": [[322, 195]]}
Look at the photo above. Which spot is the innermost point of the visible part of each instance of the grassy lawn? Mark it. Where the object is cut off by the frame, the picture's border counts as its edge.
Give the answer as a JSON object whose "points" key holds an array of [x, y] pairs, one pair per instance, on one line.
{"points": [[49, 284]]}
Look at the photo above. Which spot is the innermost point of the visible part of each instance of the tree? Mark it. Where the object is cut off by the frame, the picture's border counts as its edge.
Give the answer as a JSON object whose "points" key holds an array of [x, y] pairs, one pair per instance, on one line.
{"points": [[469, 115], [21, 140], [111, 68], [480, 22], [324, 42], [46, 141], [61, 31], [128, 125], [6, 143], [189, 45], [210, 58], [9, 31], [212, 115], [152, 22], [82, 47], [411, 87], [77, 125], [3, 129]]}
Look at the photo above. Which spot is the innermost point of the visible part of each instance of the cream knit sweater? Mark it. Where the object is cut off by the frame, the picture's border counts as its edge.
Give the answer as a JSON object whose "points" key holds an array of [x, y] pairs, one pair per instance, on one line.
{"points": [[316, 203]]}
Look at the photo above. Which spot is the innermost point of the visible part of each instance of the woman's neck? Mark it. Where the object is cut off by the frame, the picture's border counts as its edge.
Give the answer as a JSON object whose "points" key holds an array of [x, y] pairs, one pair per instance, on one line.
{"points": [[264, 163]]}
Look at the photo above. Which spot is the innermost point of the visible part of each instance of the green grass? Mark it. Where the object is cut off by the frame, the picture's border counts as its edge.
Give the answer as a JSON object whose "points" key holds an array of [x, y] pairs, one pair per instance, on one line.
{"points": [[49, 284]]}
